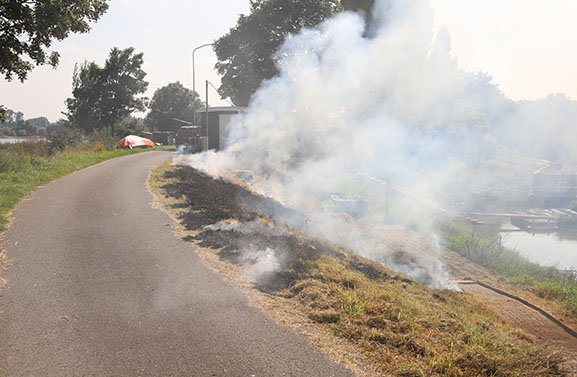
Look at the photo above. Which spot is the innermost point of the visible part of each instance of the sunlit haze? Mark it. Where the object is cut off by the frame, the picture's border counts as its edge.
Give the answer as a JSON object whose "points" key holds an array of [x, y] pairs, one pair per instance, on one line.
{"points": [[526, 46]]}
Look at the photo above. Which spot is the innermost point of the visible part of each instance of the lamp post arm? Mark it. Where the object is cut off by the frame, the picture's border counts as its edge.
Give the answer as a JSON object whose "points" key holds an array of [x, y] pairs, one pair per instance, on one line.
{"points": [[194, 82]]}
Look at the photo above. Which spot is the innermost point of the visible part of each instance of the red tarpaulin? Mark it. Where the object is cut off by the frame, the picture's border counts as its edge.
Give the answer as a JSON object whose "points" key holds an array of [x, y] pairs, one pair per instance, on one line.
{"points": [[132, 141]]}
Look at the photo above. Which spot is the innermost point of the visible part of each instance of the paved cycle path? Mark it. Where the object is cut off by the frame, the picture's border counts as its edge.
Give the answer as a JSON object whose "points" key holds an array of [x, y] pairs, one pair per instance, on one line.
{"points": [[100, 286]]}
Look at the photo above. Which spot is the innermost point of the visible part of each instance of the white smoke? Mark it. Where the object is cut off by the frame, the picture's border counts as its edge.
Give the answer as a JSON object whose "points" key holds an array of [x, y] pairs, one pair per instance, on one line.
{"points": [[259, 262], [262, 262], [395, 106]]}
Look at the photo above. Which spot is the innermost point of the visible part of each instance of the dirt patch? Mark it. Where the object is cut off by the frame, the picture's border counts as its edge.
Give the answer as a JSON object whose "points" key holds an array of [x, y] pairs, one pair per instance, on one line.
{"points": [[529, 320]]}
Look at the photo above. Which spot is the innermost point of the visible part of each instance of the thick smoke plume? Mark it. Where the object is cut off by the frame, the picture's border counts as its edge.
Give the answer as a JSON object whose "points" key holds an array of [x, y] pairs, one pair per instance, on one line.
{"points": [[390, 118]]}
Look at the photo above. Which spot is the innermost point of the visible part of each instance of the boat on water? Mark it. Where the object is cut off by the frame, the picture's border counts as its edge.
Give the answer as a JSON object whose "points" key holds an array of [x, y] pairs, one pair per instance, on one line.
{"points": [[535, 224]]}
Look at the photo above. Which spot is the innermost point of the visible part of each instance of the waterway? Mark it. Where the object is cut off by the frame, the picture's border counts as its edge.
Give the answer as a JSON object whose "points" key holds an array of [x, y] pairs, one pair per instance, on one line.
{"points": [[557, 249], [20, 140]]}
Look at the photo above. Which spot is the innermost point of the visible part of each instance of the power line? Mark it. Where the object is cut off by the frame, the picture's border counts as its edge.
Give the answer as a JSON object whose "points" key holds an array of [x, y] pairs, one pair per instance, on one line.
{"points": [[232, 104]]}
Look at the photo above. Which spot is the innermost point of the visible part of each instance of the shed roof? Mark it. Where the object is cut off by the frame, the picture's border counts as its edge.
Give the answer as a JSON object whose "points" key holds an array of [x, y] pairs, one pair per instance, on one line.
{"points": [[223, 109]]}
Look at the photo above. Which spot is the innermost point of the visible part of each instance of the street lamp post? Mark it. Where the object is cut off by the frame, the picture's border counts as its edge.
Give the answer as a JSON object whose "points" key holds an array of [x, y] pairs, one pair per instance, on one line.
{"points": [[194, 82]]}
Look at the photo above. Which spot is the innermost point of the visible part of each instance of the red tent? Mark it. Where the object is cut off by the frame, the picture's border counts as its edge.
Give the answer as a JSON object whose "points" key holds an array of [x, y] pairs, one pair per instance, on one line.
{"points": [[132, 141]]}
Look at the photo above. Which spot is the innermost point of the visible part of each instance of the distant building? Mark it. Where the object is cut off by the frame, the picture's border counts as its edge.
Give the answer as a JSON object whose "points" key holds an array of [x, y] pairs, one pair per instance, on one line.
{"points": [[218, 124], [555, 185]]}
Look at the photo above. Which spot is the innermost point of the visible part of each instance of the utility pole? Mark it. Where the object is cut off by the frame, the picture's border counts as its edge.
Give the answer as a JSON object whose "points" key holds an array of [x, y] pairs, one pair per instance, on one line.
{"points": [[206, 119]]}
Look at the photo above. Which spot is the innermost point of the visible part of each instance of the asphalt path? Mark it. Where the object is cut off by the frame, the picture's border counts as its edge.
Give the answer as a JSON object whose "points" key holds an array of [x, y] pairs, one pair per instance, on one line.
{"points": [[100, 286]]}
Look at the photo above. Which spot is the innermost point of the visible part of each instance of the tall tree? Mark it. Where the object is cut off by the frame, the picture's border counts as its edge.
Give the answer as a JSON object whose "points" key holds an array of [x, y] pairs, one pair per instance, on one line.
{"points": [[245, 53], [101, 96], [28, 28], [171, 101], [122, 82], [83, 106]]}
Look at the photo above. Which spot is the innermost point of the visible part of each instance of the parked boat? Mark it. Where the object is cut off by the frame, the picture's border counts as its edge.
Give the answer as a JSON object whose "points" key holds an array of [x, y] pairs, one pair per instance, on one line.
{"points": [[535, 225]]}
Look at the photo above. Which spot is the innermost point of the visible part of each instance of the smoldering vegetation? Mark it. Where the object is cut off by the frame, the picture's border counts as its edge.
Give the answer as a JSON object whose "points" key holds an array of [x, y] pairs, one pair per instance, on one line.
{"points": [[394, 107], [402, 327], [251, 230]]}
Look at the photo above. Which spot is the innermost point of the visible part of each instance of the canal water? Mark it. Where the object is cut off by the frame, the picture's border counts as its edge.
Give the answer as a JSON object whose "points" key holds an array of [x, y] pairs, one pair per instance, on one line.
{"points": [[19, 140], [557, 249]]}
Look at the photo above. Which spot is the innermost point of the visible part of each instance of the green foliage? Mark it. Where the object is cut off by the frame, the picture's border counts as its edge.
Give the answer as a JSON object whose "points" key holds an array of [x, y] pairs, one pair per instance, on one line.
{"points": [[171, 101], [102, 137], [27, 28], [63, 138], [10, 162], [3, 114], [12, 119], [245, 54], [126, 128], [101, 96], [14, 124]]}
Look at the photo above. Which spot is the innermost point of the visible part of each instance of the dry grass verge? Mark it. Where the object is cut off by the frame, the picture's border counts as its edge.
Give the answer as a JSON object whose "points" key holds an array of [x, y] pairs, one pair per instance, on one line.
{"points": [[399, 327]]}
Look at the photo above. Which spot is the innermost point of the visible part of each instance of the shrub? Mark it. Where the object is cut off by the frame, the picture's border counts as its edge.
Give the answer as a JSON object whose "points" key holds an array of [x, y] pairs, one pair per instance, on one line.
{"points": [[128, 128], [103, 137], [98, 148], [65, 137]]}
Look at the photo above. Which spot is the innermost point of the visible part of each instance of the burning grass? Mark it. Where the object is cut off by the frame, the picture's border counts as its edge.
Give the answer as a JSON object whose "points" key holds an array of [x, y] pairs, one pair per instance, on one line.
{"points": [[402, 327]]}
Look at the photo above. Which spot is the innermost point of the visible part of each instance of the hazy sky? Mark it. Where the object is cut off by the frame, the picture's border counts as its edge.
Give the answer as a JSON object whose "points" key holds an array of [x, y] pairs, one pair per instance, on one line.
{"points": [[529, 47]]}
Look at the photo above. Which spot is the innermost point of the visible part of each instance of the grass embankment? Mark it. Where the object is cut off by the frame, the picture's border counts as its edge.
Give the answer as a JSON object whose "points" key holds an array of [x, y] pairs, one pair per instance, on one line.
{"points": [[546, 282], [25, 166], [402, 327]]}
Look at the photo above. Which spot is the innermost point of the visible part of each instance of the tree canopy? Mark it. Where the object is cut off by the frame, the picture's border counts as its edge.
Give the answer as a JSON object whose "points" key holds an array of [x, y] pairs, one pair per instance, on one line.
{"points": [[171, 101], [28, 28], [101, 96], [15, 125], [245, 53]]}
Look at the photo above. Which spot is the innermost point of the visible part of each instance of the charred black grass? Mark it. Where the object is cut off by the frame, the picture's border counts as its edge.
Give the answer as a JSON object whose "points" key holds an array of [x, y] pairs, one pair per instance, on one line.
{"points": [[403, 327]]}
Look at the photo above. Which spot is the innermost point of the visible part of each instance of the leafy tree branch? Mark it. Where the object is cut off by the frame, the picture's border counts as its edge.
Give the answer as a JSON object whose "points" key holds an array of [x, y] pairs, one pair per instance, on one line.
{"points": [[28, 28]]}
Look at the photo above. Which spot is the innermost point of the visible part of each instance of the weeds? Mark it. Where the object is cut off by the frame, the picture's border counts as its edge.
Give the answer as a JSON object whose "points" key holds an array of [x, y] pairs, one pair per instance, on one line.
{"points": [[412, 330]]}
